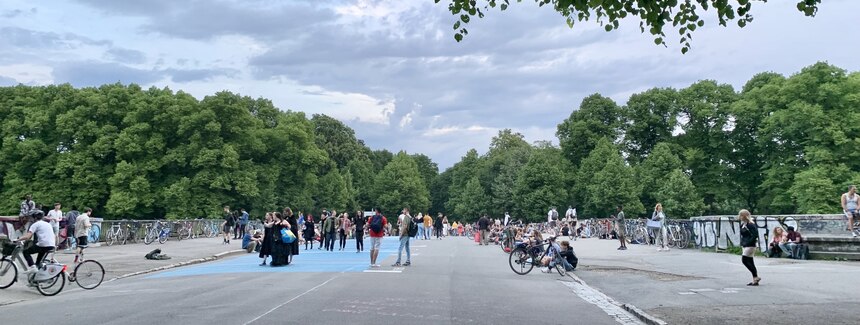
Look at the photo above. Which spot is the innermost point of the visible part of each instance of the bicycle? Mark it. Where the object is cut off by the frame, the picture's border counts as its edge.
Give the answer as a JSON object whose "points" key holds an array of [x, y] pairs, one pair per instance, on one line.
{"points": [[116, 233], [525, 257], [49, 280], [157, 231], [185, 230], [94, 234], [88, 274], [677, 236]]}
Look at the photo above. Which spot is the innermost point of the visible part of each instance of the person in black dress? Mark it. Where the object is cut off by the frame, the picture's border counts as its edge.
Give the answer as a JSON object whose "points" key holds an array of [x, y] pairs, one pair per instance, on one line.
{"points": [[294, 228], [359, 221], [266, 247], [309, 231], [280, 250]]}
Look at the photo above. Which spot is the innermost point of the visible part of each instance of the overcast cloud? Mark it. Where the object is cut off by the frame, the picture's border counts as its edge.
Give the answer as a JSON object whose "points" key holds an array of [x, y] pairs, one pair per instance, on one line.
{"points": [[391, 69]]}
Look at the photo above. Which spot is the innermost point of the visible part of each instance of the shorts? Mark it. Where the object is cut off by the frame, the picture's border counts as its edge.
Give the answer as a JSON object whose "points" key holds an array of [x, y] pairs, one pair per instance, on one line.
{"points": [[375, 243], [228, 228], [82, 241], [621, 231], [56, 228]]}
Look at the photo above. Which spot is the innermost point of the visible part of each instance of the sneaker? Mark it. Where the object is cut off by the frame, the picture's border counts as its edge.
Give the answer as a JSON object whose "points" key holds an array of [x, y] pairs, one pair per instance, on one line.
{"points": [[31, 270], [396, 264], [620, 248], [660, 249], [545, 270], [408, 263], [375, 265], [854, 234], [263, 264], [623, 248]]}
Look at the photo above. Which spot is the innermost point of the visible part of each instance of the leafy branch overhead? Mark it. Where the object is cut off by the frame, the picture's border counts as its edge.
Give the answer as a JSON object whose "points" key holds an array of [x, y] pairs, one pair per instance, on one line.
{"points": [[655, 16]]}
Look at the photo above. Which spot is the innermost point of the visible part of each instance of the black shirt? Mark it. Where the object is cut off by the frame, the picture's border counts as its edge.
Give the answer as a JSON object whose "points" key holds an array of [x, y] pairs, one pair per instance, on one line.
{"points": [[359, 223]]}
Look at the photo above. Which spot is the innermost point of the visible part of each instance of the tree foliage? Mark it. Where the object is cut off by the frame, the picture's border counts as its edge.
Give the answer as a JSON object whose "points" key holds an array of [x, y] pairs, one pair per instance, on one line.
{"points": [[657, 17], [400, 185]]}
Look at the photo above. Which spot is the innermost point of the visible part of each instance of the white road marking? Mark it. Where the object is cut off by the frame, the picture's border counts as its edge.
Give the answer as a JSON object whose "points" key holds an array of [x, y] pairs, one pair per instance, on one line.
{"points": [[686, 293], [607, 304], [291, 300], [383, 271]]}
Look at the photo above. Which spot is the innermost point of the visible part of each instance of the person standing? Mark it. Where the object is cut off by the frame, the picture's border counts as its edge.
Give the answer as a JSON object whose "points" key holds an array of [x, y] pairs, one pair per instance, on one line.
{"points": [[359, 222], [420, 226], [621, 228], [27, 206], [280, 250], [483, 228], [343, 229], [71, 218], [552, 220], [657, 228], [54, 217], [294, 228], [446, 225], [376, 224], [243, 223], [403, 223], [268, 237], [309, 231], [749, 239], [329, 226], [571, 220], [82, 231], [850, 204], [507, 218]]}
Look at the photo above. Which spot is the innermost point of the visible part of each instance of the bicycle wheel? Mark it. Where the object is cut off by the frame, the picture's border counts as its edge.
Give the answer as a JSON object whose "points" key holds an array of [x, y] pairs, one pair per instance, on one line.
{"points": [[8, 273], [520, 261], [89, 274], [110, 238], [559, 267], [150, 237], [180, 233], [163, 236], [684, 242], [53, 285]]}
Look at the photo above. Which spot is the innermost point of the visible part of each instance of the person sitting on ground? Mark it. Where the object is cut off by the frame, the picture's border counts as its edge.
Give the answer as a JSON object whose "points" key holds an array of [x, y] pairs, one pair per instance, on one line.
{"points": [[792, 239], [251, 241], [551, 251], [570, 260], [778, 239]]}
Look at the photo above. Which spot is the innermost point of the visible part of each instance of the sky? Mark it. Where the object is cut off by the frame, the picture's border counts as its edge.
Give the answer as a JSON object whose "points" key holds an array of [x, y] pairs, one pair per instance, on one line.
{"points": [[391, 69]]}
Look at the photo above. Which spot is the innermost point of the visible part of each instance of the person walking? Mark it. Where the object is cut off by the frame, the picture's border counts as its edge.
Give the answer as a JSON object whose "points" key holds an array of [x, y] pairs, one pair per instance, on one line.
{"points": [[552, 219], [309, 231], [657, 228], [268, 237], [329, 227], [420, 226], [359, 222], [376, 224], [483, 228], [749, 239], [403, 223], [850, 205], [571, 220], [428, 226], [621, 228], [342, 229], [447, 227], [227, 225], [71, 218], [82, 232], [438, 226]]}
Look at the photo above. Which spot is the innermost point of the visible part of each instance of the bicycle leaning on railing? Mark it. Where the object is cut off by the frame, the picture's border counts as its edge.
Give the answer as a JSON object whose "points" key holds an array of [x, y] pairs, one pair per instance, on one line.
{"points": [[157, 230]]}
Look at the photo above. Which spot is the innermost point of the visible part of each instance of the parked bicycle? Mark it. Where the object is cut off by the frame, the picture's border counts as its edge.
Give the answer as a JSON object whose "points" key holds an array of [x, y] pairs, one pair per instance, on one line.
{"points": [[677, 236], [156, 231]]}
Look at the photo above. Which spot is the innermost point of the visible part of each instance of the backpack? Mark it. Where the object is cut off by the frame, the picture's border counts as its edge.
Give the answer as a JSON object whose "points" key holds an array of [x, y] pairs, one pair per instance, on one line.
{"points": [[554, 215], [412, 228], [376, 223]]}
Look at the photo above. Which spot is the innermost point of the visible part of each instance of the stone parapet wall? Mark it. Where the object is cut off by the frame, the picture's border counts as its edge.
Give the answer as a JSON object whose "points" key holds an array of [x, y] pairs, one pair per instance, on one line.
{"points": [[720, 232]]}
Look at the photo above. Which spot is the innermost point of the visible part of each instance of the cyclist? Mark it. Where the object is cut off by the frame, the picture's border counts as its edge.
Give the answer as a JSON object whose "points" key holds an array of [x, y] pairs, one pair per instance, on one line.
{"points": [[45, 241]]}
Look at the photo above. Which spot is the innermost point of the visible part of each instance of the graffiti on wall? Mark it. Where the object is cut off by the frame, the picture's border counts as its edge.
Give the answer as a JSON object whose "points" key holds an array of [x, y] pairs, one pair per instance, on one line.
{"points": [[722, 232]]}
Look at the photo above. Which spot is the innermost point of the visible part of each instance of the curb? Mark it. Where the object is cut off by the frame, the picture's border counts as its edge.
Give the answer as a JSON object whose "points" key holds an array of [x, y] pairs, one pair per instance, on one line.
{"points": [[180, 264], [640, 314]]}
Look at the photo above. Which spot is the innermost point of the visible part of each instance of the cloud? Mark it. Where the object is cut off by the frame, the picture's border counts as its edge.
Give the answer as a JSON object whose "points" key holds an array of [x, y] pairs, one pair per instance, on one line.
{"points": [[122, 55], [178, 75], [26, 38], [6, 81], [92, 73]]}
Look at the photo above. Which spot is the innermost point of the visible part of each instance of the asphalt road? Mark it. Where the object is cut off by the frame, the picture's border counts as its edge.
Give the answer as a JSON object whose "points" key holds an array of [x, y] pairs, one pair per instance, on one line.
{"points": [[451, 281]]}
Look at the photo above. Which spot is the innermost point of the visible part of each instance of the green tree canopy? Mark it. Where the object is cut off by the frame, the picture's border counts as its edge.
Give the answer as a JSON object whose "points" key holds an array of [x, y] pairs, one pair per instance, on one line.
{"points": [[400, 185]]}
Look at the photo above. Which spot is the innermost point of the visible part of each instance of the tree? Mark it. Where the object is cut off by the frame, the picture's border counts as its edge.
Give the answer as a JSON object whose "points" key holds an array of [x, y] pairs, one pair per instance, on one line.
{"points": [[332, 192], [655, 171], [337, 139], [614, 184], [678, 196], [542, 183], [655, 16], [591, 165], [426, 167], [473, 204], [362, 173], [814, 191], [400, 185], [651, 117], [597, 117]]}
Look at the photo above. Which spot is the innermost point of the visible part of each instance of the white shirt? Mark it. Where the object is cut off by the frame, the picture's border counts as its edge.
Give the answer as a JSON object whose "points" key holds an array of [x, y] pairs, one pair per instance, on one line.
{"points": [[549, 216], [82, 225], [44, 232], [507, 216], [55, 216]]}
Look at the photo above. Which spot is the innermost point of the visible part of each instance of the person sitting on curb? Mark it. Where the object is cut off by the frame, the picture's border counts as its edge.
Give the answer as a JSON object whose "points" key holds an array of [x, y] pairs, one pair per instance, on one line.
{"points": [[792, 240], [251, 243], [775, 246], [570, 260]]}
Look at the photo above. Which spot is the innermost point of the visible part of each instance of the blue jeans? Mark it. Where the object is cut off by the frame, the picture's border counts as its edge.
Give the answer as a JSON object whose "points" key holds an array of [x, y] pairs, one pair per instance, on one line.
{"points": [[420, 231], [404, 242]]}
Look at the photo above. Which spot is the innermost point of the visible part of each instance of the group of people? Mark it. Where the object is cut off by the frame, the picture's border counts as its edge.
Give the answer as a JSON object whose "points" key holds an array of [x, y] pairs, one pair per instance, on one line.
{"points": [[273, 241]]}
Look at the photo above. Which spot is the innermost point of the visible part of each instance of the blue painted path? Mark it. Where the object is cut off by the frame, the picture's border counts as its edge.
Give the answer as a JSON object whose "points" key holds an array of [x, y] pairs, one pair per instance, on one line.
{"points": [[312, 261]]}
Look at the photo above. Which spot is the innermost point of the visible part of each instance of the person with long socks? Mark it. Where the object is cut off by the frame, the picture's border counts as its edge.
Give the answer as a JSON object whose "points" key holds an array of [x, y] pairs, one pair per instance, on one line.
{"points": [[749, 239]]}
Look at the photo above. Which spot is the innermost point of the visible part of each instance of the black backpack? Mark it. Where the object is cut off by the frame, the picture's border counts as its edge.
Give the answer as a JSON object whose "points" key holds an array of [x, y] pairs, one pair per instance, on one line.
{"points": [[376, 223], [412, 229]]}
